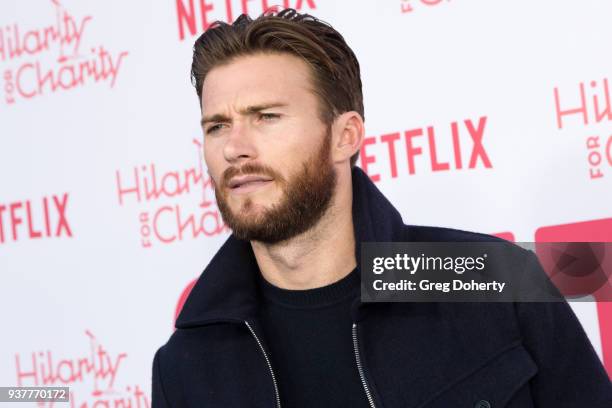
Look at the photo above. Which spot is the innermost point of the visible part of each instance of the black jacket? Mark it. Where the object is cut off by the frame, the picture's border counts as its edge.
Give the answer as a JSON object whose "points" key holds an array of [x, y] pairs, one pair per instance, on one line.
{"points": [[425, 355]]}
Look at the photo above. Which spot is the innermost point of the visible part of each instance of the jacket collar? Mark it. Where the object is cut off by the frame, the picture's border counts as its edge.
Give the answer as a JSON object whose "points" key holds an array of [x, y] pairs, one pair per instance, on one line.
{"points": [[227, 289]]}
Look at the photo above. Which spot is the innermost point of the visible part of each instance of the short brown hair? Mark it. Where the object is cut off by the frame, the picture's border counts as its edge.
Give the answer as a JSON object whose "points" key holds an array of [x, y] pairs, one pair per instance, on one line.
{"points": [[336, 75]]}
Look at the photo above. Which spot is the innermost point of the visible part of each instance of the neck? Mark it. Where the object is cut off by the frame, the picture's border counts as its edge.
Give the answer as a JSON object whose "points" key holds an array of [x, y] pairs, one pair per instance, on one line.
{"points": [[318, 257]]}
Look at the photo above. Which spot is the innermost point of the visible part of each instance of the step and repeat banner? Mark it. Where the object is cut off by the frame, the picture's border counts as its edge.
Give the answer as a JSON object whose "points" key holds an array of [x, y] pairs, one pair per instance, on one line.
{"points": [[489, 116]]}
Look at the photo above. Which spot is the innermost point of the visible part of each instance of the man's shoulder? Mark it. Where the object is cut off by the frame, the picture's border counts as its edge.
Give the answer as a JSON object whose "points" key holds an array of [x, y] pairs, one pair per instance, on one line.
{"points": [[507, 251], [427, 233]]}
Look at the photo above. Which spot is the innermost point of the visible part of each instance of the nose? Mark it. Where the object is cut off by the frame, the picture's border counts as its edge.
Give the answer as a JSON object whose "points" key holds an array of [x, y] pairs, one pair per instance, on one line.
{"points": [[239, 145]]}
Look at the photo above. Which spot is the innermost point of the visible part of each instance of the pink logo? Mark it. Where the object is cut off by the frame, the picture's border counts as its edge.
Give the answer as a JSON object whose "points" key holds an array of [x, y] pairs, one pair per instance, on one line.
{"points": [[408, 6], [32, 71], [98, 370], [588, 106], [163, 218], [196, 16], [420, 149], [34, 219]]}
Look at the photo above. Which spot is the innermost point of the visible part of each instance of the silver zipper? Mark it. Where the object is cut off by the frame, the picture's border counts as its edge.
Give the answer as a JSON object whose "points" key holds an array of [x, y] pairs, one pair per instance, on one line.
{"points": [[278, 404], [360, 368]]}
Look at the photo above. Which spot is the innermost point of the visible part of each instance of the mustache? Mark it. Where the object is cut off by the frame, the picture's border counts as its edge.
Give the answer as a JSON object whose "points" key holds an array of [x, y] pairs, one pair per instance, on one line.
{"points": [[247, 169]]}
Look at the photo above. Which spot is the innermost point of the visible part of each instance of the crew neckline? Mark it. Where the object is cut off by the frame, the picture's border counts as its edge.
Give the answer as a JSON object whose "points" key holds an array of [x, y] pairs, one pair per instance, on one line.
{"points": [[323, 296]]}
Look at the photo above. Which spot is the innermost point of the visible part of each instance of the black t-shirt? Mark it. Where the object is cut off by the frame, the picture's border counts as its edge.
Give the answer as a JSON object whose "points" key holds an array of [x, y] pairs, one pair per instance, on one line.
{"points": [[308, 334]]}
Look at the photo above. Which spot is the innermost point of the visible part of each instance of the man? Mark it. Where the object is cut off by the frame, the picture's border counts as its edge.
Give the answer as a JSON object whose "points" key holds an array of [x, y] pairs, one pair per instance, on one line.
{"points": [[276, 318]]}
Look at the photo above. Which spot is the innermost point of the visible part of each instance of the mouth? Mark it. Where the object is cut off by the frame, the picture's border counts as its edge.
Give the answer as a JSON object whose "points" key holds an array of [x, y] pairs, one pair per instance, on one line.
{"points": [[246, 184]]}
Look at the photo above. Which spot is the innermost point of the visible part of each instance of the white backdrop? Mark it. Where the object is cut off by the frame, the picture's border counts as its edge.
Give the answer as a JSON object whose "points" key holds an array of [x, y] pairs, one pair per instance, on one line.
{"points": [[106, 211]]}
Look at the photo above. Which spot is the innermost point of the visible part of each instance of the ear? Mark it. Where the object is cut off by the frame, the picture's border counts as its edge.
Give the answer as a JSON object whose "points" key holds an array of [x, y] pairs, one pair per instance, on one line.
{"points": [[348, 132]]}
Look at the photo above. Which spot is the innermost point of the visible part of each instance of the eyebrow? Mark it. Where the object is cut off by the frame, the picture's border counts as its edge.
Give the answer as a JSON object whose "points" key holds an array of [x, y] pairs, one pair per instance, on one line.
{"points": [[249, 110]]}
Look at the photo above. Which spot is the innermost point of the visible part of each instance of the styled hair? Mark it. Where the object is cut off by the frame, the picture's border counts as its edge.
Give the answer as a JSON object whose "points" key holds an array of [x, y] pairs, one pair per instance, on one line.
{"points": [[334, 66]]}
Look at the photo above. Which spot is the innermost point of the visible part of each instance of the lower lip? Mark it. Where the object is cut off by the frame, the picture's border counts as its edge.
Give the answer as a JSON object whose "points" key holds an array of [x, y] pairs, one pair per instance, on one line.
{"points": [[250, 187]]}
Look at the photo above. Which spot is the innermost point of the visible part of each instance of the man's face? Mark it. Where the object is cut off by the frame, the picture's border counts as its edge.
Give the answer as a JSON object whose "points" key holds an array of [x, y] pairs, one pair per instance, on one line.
{"points": [[266, 148]]}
